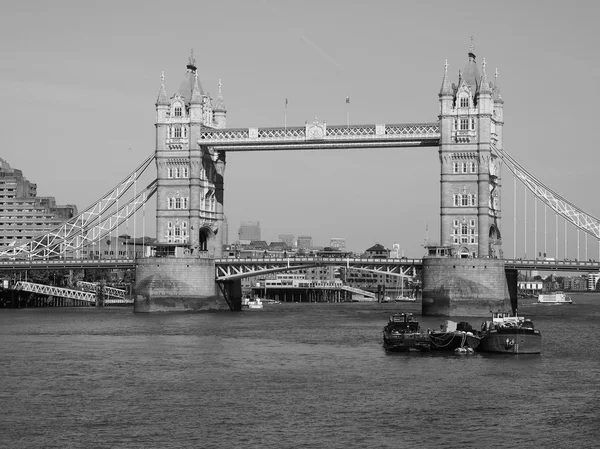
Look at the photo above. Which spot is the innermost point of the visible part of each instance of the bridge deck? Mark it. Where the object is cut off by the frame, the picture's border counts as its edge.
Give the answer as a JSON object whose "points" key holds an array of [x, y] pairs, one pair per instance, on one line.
{"points": [[317, 135]]}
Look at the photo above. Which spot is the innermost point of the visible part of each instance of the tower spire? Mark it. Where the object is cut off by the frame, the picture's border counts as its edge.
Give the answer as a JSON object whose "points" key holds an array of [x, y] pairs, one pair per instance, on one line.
{"points": [[192, 62], [219, 103], [446, 88], [484, 85], [162, 93], [196, 97], [497, 96]]}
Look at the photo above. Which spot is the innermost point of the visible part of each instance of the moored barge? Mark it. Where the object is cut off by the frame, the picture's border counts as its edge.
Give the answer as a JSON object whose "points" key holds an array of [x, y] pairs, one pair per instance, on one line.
{"points": [[403, 333], [507, 334]]}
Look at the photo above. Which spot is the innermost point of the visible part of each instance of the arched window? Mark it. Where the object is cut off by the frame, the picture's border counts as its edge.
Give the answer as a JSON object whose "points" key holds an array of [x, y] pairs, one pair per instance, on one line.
{"points": [[177, 203], [473, 199], [464, 167], [177, 172], [456, 200], [177, 132], [170, 203], [455, 167], [464, 124], [465, 200], [170, 172], [464, 102], [473, 167], [177, 111], [185, 172]]}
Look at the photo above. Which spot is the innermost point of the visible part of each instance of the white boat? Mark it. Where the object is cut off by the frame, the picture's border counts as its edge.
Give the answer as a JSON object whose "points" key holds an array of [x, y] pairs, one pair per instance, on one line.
{"points": [[555, 298], [252, 303]]}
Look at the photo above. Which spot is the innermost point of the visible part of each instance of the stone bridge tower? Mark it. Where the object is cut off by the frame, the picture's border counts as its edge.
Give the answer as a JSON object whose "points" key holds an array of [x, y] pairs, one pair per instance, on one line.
{"points": [[189, 206], [190, 221], [471, 121]]}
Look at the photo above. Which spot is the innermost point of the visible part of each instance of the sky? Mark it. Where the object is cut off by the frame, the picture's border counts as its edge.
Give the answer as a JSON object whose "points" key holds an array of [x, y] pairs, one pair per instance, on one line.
{"points": [[79, 81]]}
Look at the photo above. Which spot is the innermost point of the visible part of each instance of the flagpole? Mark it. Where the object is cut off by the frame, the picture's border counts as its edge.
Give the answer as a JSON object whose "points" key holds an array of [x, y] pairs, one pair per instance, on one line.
{"points": [[348, 112]]}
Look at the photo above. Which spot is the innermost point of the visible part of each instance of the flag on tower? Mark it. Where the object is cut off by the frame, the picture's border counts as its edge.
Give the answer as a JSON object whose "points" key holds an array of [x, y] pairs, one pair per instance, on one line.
{"points": [[348, 100]]}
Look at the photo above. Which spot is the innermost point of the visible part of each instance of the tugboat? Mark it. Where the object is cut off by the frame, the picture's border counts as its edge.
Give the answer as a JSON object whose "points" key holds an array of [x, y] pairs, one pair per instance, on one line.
{"points": [[507, 334], [403, 333], [457, 337]]}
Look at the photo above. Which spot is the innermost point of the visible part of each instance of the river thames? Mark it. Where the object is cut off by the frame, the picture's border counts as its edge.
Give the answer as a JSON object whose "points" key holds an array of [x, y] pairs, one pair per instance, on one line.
{"points": [[290, 376]]}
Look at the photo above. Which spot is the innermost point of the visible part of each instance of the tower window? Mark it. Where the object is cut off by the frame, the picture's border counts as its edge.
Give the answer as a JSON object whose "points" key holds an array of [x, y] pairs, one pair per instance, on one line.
{"points": [[464, 124], [455, 223], [472, 223], [455, 167], [472, 123], [473, 167], [177, 111], [465, 200], [464, 167], [177, 132], [464, 102]]}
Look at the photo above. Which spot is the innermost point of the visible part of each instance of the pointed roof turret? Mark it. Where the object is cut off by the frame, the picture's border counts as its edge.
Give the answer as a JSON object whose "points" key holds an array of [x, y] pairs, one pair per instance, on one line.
{"points": [[496, 95], [484, 85], [219, 103], [470, 74], [446, 88], [185, 90], [162, 99], [196, 96]]}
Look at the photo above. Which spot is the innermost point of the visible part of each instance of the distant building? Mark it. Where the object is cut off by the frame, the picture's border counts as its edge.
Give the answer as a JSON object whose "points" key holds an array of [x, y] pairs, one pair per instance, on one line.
{"points": [[22, 213], [338, 242], [377, 251], [288, 239], [305, 242], [249, 230], [593, 283]]}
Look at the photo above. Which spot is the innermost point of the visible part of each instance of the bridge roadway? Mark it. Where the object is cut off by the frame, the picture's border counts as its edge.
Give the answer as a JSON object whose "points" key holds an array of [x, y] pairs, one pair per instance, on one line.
{"points": [[227, 267], [317, 135]]}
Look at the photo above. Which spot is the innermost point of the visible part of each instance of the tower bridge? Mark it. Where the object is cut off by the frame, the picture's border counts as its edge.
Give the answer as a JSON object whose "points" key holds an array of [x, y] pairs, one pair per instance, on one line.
{"points": [[466, 274]]}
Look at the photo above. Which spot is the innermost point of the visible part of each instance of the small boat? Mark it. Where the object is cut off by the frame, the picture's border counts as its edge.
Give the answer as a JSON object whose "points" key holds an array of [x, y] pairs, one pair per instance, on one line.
{"points": [[555, 298], [404, 299], [252, 303], [403, 333], [507, 334], [454, 336]]}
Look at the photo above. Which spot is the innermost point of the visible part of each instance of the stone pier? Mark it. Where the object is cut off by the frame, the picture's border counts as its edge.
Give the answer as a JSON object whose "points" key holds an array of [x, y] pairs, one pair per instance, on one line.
{"points": [[181, 284], [468, 287]]}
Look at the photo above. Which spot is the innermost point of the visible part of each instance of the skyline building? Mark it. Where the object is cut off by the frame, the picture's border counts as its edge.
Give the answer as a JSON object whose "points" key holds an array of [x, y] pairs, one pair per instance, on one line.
{"points": [[304, 242], [338, 243], [249, 230], [23, 214], [288, 239]]}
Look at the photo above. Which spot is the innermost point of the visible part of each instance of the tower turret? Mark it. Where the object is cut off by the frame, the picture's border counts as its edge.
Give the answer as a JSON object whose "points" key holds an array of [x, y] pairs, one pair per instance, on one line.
{"points": [[162, 112], [219, 109]]}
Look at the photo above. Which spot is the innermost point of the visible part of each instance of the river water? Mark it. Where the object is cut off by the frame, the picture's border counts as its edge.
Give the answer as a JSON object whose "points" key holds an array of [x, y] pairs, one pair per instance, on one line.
{"points": [[290, 376]]}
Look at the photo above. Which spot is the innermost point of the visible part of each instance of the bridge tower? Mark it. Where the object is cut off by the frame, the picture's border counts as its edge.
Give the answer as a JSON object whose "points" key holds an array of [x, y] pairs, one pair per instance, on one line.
{"points": [[190, 218], [474, 280], [189, 206], [471, 121]]}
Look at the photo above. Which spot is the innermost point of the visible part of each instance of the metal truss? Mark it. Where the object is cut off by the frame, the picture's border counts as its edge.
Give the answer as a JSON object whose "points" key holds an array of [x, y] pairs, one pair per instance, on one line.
{"points": [[95, 222], [109, 292], [318, 135], [564, 208], [61, 292], [232, 268]]}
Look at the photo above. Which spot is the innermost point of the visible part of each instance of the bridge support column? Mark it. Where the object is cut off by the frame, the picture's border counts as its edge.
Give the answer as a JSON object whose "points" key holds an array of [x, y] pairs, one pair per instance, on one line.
{"points": [[466, 287], [182, 284]]}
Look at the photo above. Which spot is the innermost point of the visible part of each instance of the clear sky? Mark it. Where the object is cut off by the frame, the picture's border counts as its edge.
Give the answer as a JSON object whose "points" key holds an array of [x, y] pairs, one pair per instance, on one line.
{"points": [[79, 80]]}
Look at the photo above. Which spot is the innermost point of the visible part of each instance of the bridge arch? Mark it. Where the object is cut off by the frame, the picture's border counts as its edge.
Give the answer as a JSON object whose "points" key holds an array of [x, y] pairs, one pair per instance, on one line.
{"points": [[207, 240]]}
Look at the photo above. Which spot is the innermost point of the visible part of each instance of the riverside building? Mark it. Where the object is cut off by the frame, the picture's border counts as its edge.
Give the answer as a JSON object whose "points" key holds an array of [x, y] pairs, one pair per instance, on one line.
{"points": [[23, 214]]}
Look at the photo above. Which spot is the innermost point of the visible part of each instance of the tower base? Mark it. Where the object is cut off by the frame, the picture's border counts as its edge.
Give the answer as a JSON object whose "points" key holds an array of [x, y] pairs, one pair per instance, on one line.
{"points": [[466, 287], [182, 284]]}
